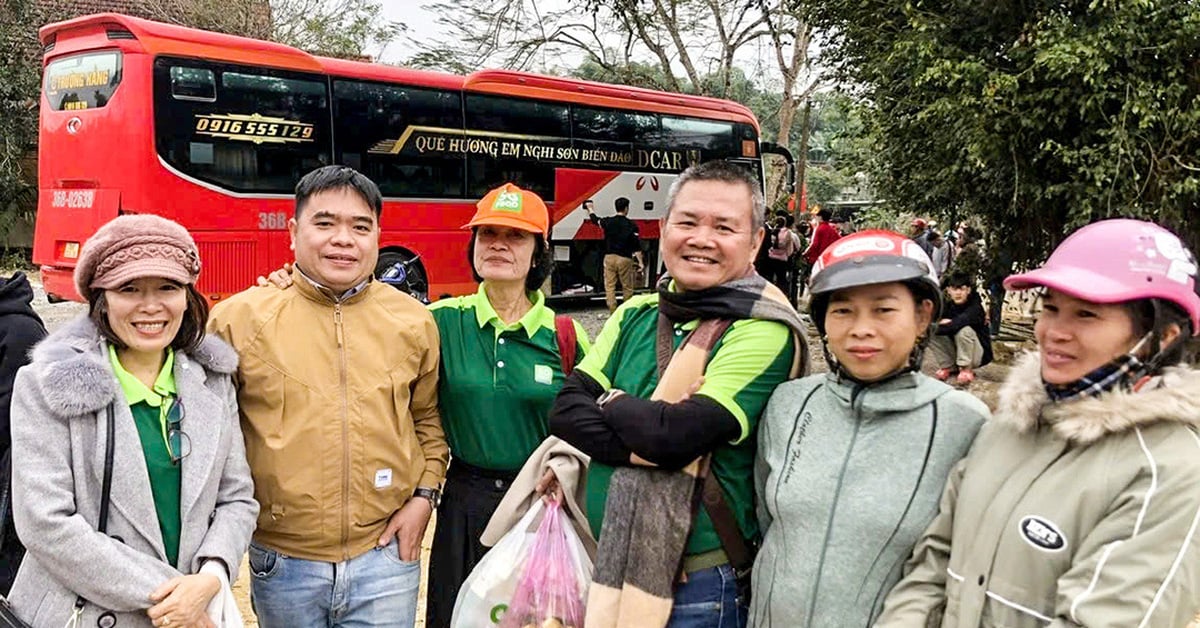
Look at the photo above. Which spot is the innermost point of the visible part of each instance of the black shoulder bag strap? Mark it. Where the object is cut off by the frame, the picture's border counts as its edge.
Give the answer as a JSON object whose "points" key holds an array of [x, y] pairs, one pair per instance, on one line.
{"points": [[105, 490]]}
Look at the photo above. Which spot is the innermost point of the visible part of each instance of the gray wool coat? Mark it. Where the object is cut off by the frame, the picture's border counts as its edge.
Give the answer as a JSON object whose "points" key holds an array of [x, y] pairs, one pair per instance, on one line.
{"points": [[59, 437]]}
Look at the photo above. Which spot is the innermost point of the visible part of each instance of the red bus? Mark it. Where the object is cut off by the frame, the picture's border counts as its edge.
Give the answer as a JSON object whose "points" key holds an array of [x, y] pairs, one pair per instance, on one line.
{"points": [[214, 131]]}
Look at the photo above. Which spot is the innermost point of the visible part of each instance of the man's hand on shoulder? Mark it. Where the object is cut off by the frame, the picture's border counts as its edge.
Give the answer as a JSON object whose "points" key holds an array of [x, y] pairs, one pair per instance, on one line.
{"points": [[280, 278]]}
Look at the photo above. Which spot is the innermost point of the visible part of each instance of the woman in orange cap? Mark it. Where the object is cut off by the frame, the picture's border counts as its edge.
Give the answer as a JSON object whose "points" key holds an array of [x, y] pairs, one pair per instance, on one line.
{"points": [[500, 371]]}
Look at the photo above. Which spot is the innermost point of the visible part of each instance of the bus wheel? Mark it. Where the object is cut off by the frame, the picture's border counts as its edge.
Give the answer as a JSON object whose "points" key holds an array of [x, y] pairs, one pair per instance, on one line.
{"points": [[403, 271]]}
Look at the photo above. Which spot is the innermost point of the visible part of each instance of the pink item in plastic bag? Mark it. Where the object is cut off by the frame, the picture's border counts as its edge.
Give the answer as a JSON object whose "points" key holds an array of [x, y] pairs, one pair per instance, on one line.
{"points": [[553, 583]]}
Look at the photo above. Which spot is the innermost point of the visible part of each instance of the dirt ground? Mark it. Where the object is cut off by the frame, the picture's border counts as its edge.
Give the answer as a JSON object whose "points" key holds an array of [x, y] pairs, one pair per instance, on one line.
{"points": [[592, 316]]}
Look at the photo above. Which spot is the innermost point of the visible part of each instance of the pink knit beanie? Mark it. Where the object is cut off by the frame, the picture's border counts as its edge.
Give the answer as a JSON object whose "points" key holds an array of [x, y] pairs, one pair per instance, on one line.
{"points": [[135, 246]]}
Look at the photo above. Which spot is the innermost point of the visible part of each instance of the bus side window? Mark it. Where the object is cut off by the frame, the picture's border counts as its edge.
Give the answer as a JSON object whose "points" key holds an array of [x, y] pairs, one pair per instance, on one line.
{"points": [[242, 128], [714, 137], [404, 138], [196, 84], [520, 142]]}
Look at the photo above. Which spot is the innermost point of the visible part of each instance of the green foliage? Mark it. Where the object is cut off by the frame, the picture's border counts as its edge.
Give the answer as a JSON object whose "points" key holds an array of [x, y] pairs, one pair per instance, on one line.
{"points": [[19, 89], [635, 74], [1033, 117], [825, 184], [336, 28]]}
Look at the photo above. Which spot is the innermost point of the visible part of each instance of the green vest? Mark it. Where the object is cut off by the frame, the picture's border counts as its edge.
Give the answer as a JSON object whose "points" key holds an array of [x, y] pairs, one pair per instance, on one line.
{"points": [[497, 382], [149, 407], [746, 364]]}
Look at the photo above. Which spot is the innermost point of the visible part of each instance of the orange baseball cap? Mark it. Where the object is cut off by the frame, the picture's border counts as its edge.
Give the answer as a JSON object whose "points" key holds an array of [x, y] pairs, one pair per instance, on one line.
{"points": [[510, 206]]}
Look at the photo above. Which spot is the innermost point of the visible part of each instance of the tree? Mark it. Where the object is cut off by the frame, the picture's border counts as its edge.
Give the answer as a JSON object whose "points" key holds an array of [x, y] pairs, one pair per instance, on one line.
{"points": [[1032, 116], [249, 18], [336, 28], [705, 40], [19, 88]]}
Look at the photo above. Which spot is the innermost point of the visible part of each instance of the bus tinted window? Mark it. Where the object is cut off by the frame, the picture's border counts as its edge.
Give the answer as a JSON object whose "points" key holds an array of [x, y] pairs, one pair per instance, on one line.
{"points": [[193, 84], [83, 81], [614, 125], [511, 115], [714, 138], [260, 132], [385, 132], [515, 140]]}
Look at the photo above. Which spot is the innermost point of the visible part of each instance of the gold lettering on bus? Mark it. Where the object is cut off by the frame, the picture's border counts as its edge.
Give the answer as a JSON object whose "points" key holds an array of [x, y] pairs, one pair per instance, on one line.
{"points": [[254, 127], [77, 80], [424, 140]]}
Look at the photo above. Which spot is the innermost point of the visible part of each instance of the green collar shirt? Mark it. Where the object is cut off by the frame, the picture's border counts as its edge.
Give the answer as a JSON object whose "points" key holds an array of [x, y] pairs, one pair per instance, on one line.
{"points": [[497, 381], [149, 407]]}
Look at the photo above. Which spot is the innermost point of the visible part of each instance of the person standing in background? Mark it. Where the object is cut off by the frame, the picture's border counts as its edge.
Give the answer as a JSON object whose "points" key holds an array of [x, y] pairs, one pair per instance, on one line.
{"points": [[622, 251], [823, 234], [942, 252]]}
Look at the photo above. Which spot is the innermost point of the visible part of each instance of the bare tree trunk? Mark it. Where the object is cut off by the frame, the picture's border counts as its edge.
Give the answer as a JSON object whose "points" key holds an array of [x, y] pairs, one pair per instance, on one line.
{"points": [[802, 158], [776, 180]]}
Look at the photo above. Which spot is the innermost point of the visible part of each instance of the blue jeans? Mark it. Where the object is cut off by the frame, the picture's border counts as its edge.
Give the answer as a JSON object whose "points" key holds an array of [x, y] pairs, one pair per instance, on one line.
{"points": [[374, 589], [709, 599]]}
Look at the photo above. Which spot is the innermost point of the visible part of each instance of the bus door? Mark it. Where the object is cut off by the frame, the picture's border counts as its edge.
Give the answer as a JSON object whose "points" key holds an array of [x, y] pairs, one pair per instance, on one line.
{"points": [[578, 243]]}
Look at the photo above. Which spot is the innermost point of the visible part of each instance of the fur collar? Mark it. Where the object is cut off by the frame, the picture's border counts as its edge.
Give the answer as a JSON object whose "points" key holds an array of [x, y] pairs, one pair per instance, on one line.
{"points": [[74, 375], [1174, 396]]}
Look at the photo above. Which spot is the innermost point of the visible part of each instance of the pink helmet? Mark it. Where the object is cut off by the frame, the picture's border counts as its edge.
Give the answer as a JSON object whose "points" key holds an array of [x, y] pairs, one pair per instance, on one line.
{"points": [[1112, 261]]}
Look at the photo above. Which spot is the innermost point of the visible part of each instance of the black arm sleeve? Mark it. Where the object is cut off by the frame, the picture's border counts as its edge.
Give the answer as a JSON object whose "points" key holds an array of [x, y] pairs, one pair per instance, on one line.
{"points": [[671, 434], [970, 316], [18, 336], [577, 419]]}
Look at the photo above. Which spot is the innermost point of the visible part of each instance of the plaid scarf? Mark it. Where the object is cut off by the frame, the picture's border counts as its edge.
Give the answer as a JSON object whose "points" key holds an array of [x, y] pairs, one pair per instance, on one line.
{"points": [[649, 512], [1122, 371]]}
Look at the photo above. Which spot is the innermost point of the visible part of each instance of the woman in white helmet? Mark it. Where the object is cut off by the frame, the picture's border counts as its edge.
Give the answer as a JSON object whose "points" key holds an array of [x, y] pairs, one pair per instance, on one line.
{"points": [[851, 463]]}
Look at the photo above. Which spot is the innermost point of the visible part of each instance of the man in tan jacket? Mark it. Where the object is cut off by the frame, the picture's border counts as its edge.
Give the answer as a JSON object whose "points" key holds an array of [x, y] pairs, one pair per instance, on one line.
{"points": [[338, 396]]}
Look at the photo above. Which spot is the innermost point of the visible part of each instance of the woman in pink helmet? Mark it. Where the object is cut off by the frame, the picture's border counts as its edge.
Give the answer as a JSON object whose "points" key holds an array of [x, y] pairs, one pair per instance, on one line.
{"points": [[1079, 504]]}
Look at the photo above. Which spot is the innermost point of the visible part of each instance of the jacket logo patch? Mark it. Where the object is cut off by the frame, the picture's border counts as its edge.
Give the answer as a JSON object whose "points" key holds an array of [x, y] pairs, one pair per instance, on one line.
{"points": [[1042, 534]]}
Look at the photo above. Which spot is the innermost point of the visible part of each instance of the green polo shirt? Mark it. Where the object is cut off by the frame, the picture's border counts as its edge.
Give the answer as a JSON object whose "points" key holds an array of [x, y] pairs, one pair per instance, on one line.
{"points": [[747, 363], [149, 407], [497, 382]]}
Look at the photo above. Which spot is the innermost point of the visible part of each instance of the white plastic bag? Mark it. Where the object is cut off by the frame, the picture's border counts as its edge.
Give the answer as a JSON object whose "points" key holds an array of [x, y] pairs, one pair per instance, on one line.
{"points": [[486, 593], [490, 588]]}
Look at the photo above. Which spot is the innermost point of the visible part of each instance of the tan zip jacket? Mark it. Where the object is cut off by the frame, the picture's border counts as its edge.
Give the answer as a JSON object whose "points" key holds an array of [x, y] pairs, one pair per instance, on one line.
{"points": [[1076, 514], [339, 410]]}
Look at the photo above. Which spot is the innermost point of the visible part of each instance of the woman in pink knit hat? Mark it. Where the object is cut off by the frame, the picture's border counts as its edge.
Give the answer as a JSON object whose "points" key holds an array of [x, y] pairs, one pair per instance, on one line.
{"points": [[131, 489]]}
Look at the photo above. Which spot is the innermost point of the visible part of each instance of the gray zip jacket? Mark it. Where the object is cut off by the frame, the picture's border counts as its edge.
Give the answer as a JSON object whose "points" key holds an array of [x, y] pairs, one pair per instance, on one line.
{"points": [[848, 477], [1073, 514]]}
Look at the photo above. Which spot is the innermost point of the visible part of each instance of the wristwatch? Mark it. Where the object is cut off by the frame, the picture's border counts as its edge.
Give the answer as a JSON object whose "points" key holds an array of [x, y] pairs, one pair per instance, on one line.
{"points": [[432, 494]]}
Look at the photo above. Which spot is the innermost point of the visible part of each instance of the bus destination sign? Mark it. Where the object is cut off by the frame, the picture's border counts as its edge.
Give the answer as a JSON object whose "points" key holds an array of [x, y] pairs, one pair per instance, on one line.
{"points": [[420, 140]]}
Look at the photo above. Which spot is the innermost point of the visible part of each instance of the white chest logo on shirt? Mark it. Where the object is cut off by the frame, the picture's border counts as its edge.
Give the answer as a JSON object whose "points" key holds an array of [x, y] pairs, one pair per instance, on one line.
{"points": [[543, 374], [1042, 534]]}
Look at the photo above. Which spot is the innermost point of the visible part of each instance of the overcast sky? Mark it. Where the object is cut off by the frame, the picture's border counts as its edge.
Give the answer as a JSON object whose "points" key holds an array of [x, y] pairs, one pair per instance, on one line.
{"points": [[419, 21], [422, 25]]}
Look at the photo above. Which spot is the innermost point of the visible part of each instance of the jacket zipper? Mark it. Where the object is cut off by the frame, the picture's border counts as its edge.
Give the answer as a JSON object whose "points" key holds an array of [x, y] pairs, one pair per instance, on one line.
{"points": [[342, 379], [837, 492]]}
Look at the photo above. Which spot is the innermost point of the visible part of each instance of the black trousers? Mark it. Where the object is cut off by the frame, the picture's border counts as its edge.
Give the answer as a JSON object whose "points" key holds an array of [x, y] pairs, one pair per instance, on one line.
{"points": [[469, 498]]}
